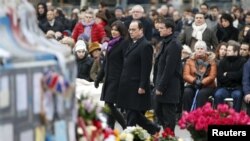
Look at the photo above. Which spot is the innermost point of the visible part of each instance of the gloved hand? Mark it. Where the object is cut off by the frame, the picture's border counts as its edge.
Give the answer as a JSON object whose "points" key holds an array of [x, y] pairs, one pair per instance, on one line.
{"points": [[197, 84], [96, 83]]}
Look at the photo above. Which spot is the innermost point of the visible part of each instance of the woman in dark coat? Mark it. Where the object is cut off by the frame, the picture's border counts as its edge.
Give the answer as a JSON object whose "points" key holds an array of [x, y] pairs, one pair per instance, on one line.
{"points": [[227, 31], [84, 62], [112, 69], [41, 11]]}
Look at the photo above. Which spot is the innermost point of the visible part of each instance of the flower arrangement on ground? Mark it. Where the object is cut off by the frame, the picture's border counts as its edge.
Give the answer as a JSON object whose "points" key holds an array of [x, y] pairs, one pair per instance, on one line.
{"points": [[166, 135], [197, 121], [91, 120], [135, 133]]}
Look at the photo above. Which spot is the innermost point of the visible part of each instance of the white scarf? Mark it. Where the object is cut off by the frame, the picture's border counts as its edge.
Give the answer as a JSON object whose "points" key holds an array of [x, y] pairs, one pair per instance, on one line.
{"points": [[198, 31], [52, 22]]}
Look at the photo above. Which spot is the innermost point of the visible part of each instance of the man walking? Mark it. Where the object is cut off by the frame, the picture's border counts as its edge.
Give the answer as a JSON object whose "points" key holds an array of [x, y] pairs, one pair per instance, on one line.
{"points": [[134, 87], [168, 75]]}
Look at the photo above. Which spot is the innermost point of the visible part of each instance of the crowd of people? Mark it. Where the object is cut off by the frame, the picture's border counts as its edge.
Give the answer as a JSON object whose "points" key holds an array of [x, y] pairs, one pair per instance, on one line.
{"points": [[159, 59]]}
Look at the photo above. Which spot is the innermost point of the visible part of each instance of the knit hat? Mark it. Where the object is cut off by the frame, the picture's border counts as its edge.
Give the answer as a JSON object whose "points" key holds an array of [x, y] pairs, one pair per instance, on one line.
{"points": [[80, 44], [94, 46]]}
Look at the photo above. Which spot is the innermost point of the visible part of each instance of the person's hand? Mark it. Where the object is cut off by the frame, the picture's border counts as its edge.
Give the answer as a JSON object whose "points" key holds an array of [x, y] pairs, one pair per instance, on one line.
{"points": [[96, 83], [198, 84], [141, 91], [157, 92], [247, 98]]}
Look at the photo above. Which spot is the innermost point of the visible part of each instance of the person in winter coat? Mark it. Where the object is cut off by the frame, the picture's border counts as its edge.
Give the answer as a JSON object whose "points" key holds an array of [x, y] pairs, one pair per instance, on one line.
{"points": [[199, 31], [111, 71], [168, 75], [88, 30], [52, 24], [96, 54], [199, 73], [84, 62], [138, 14], [246, 85], [41, 12], [230, 77], [226, 31], [134, 86]]}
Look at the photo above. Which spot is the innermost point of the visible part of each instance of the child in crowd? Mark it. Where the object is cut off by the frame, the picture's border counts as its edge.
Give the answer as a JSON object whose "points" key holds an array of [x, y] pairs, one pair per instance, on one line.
{"points": [[84, 62]]}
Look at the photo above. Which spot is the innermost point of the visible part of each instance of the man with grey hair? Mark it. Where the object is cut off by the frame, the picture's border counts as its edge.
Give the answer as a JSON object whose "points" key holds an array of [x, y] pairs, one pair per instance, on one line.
{"points": [[138, 14]]}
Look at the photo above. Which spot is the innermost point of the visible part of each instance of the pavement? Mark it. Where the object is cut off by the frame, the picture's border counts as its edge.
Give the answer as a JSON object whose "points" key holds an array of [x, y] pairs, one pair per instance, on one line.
{"points": [[184, 134]]}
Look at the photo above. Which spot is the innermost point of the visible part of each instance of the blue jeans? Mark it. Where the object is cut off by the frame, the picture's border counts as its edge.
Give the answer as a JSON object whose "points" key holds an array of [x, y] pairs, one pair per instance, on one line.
{"points": [[223, 93]]}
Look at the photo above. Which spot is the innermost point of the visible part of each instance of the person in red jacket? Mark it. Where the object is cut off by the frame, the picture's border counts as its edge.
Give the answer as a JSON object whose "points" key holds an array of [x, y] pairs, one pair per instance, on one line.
{"points": [[88, 30]]}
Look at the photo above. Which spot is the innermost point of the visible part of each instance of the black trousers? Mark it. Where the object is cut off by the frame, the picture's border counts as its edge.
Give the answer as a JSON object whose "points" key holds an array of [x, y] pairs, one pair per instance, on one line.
{"points": [[115, 115], [202, 97], [248, 108], [137, 118], [166, 114]]}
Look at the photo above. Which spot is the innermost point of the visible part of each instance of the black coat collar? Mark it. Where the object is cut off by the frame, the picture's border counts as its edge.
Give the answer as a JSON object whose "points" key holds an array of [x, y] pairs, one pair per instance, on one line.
{"points": [[133, 45]]}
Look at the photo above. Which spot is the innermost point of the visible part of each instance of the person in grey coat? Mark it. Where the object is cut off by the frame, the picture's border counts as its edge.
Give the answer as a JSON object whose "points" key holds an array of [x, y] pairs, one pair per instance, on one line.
{"points": [[168, 75], [134, 88], [199, 31]]}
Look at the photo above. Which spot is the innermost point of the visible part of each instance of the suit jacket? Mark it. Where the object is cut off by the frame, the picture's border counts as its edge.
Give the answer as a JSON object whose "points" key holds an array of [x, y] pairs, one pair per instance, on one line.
{"points": [[168, 70], [136, 74]]}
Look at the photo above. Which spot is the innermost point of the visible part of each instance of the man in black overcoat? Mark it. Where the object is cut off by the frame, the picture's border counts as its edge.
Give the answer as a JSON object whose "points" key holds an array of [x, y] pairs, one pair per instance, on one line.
{"points": [[134, 87], [167, 71]]}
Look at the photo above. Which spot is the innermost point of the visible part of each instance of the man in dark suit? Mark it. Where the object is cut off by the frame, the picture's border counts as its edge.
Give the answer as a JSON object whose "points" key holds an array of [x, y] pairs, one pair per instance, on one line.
{"points": [[134, 87], [167, 71]]}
